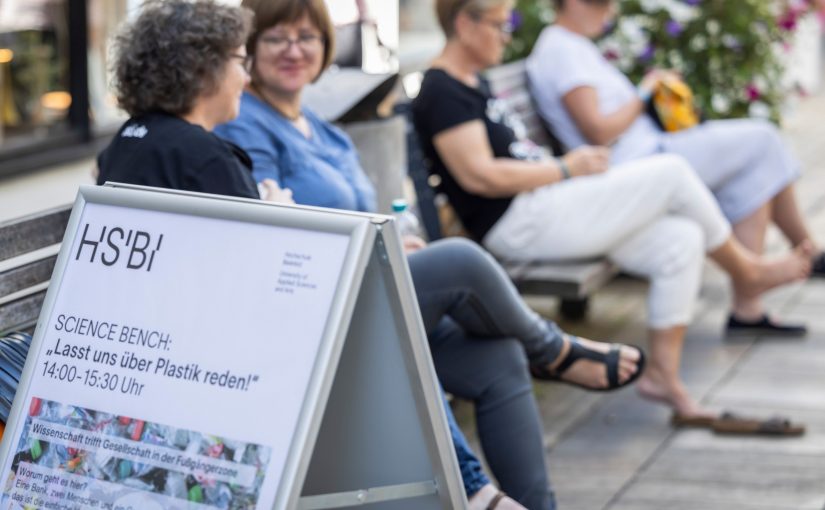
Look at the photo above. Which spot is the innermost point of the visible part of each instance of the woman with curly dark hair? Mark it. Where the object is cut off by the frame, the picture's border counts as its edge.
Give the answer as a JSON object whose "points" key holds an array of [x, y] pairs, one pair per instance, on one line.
{"points": [[179, 70]]}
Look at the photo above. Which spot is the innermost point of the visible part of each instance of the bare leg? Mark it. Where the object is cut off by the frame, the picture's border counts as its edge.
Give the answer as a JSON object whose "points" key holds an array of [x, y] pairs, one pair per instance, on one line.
{"points": [[787, 216], [752, 274], [751, 233], [661, 381]]}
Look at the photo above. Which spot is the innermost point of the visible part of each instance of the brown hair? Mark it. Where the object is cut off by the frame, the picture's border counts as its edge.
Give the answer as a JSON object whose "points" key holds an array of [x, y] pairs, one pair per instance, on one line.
{"points": [[269, 13], [448, 10]]}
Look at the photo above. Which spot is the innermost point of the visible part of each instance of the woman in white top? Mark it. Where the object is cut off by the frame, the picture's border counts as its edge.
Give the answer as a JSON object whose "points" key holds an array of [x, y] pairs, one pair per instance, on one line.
{"points": [[653, 218], [744, 162]]}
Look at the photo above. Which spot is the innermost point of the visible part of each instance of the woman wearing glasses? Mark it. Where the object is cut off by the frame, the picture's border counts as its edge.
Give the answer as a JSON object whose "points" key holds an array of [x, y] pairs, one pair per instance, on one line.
{"points": [[478, 327], [180, 70], [652, 217]]}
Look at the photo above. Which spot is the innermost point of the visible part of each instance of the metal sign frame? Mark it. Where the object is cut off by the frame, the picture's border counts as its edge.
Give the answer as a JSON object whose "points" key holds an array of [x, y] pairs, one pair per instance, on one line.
{"points": [[374, 248]]}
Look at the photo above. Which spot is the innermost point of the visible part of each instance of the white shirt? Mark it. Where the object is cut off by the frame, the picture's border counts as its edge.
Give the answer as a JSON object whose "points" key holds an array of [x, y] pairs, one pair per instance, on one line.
{"points": [[562, 61]]}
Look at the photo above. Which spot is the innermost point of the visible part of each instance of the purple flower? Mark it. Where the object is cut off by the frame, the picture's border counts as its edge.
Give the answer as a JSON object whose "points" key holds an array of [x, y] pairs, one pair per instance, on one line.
{"points": [[647, 54], [693, 2], [516, 19], [673, 28]]}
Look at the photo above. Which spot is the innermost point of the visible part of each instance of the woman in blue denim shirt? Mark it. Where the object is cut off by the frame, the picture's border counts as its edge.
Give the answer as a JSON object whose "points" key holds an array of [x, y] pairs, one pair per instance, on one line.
{"points": [[465, 298]]}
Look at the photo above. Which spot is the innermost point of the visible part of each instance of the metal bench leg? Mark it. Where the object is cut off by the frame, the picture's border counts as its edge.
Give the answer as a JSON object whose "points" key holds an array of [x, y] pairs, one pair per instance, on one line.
{"points": [[574, 309]]}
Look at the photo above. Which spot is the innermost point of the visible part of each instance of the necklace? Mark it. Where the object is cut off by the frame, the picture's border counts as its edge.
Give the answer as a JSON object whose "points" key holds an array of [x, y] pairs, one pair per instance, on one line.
{"points": [[292, 118]]}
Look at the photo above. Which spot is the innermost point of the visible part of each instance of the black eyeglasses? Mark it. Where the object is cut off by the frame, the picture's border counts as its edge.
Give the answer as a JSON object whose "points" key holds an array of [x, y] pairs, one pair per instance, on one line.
{"points": [[503, 27], [246, 61], [309, 44]]}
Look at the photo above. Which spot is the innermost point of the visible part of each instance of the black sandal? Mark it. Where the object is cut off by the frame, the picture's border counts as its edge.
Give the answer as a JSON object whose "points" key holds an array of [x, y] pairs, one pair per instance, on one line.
{"points": [[578, 351]]}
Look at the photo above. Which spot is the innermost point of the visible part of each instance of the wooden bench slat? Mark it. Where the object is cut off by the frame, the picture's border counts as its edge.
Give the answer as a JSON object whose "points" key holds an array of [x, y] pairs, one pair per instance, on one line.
{"points": [[21, 314], [33, 232], [573, 281], [23, 277]]}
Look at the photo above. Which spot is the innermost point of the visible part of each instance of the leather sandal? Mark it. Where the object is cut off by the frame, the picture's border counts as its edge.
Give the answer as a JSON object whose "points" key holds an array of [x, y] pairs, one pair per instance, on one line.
{"points": [[679, 421], [496, 500], [577, 351], [732, 423], [729, 423]]}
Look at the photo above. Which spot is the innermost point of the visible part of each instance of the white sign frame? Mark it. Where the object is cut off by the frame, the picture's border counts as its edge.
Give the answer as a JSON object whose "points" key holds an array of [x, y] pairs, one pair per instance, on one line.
{"points": [[374, 241]]}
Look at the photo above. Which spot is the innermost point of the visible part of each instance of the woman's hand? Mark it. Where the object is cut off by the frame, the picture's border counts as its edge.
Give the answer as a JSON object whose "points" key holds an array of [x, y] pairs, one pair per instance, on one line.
{"points": [[587, 160], [656, 76], [649, 83], [412, 243], [271, 192]]}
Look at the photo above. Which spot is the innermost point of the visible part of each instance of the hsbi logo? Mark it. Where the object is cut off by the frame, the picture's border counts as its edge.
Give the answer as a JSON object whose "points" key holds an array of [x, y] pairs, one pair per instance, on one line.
{"points": [[130, 248]]}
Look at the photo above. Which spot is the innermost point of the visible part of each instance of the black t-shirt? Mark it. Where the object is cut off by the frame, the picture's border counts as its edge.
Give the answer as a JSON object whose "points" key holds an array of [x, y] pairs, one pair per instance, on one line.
{"points": [[165, 151], [445, 102]]}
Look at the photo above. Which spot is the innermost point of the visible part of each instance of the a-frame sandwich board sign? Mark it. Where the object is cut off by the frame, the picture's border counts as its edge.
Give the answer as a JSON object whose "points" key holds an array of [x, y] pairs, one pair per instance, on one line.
{"points": [[198, 352]]}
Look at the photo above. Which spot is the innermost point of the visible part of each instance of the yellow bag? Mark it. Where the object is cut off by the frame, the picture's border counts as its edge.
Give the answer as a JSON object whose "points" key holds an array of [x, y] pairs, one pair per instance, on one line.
{"points": [[672, 105]]}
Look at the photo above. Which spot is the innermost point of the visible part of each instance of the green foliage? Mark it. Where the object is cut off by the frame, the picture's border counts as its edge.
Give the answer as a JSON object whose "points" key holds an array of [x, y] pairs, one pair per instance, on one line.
{"points": [[729, 51], [529, 18]]}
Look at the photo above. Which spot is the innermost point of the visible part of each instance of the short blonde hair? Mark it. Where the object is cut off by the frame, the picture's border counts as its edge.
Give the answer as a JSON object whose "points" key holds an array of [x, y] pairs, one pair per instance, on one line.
{"points": [[448, 10]]}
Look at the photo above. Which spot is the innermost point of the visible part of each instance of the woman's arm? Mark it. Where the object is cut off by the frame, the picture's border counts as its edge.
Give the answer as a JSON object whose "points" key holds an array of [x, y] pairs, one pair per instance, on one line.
{"points": [[583, 105], [466, 152]]}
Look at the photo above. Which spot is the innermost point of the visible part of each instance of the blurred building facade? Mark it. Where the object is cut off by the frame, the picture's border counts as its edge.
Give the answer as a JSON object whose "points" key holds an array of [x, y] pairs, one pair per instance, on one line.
{"points": [[55, 103], [54, 99]]}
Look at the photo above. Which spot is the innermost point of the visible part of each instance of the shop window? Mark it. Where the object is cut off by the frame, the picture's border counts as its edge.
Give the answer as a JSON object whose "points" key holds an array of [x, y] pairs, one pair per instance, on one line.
{"points": [[35, 94]]}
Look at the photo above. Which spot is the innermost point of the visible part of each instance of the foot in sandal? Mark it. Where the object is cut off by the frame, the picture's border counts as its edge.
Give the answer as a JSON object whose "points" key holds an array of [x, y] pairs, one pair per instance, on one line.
{"points": [[596, 366], [489, 498]]}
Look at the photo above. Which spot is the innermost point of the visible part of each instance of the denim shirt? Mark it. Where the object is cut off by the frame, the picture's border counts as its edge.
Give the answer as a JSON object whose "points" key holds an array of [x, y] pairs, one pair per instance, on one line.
{"points": [[322, 170]]}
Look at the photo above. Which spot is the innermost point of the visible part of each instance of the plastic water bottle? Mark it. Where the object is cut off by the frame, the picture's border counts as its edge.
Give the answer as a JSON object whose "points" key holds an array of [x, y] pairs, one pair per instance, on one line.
{"points": [[407, 222]]}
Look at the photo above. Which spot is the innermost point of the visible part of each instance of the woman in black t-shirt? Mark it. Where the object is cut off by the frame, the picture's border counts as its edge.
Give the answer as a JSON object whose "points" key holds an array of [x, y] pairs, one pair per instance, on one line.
{"points": [[652, 217], [180, 69]]}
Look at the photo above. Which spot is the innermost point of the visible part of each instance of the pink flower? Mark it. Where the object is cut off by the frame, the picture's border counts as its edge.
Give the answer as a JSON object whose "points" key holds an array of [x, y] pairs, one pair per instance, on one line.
{"points": [[752, 92]]}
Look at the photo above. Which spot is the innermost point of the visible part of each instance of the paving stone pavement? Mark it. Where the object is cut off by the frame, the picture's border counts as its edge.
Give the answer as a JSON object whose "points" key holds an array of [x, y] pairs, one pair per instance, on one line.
{"points": [[617, 452]]}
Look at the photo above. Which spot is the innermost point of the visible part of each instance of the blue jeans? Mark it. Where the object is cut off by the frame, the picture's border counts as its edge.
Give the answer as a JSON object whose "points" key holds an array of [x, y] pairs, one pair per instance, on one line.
{"points": [[479, 331], [471, 473]]}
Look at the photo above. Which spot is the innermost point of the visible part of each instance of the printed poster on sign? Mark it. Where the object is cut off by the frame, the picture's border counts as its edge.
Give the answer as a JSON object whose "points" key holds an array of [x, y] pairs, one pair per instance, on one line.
{"points": [[173, 364]]}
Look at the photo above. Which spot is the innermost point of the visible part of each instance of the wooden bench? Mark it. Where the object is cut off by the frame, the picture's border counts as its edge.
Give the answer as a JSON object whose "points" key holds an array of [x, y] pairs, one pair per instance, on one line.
{"points": [[573, 282], [28, 252]]}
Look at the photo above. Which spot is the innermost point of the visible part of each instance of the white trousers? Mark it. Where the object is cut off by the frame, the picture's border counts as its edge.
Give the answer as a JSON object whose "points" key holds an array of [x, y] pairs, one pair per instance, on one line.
{"points": [[652, 217], [744, 162]]}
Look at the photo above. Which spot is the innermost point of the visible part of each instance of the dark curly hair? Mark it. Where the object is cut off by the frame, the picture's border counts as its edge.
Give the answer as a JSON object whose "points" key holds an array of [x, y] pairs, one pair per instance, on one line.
{"points": [[173, 52]]}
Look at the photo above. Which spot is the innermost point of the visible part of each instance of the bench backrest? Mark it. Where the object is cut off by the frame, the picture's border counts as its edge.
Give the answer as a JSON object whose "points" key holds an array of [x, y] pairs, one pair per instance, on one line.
{"points": [[28, 252], [509, 83]]}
